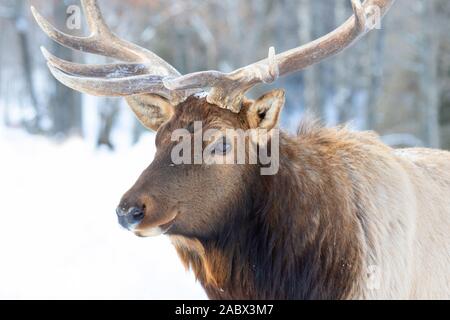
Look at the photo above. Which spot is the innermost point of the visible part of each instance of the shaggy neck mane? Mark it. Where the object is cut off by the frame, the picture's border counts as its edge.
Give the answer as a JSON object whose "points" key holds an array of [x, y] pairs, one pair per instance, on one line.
{"points": [[295, 235]]}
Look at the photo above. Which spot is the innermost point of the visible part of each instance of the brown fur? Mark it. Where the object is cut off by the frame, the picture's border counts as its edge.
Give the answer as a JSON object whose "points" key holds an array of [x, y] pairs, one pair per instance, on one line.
{"points": [[294, 241], [309, 232]]}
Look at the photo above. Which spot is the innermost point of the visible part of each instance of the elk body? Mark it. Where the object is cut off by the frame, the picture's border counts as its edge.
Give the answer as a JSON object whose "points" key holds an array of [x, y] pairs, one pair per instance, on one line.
{"points": [[345, 216]]}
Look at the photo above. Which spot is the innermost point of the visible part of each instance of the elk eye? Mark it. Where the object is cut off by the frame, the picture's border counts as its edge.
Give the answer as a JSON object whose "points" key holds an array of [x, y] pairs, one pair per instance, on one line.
{"points": [[222, 147]]}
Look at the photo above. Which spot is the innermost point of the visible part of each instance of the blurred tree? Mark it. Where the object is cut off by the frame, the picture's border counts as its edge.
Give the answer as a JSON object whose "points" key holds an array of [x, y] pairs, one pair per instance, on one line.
{"points": [[396, 80], [65, 109], [442, 31], [108, 117], [21, 23]]}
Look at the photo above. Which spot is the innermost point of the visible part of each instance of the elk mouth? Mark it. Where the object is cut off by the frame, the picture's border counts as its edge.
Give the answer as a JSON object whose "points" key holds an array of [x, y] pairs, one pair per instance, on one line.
{"points": [[161, 229]]}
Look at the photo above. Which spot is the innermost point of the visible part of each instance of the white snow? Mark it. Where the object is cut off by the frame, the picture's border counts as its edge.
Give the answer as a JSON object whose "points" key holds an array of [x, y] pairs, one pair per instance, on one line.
{"points": [[59, 238]]}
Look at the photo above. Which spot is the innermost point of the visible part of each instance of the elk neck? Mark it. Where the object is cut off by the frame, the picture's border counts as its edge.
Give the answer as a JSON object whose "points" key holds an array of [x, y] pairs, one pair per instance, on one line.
{"points": [[293, 235]]}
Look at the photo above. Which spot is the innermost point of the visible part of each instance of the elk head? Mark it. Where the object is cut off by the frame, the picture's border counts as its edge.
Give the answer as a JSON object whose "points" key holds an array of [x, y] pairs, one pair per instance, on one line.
{"points": [[186, 199]]}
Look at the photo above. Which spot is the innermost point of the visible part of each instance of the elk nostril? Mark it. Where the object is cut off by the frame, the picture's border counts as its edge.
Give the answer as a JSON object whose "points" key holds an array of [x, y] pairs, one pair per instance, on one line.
{"points": [[136, 214]]}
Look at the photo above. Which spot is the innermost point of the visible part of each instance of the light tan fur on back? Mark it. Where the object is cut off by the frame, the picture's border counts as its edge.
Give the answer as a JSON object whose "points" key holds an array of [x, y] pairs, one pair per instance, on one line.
{"points": [[404, 196]]}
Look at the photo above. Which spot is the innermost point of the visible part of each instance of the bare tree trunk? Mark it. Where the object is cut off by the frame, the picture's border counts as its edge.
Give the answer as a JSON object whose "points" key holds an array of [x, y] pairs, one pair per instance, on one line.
{"points": [[429, 84], [65, 104], [319, 79], [342, 65], [4, 110], [108, 116], [375, 81], [26, 63], [311, 75]]}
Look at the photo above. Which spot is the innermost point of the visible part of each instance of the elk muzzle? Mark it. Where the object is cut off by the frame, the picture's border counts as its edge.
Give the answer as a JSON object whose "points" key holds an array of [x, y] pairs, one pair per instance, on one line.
{"points": [[130, 218], [145, 215]]}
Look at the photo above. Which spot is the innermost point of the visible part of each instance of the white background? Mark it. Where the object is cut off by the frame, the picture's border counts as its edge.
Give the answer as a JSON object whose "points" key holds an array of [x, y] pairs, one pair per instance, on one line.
{"points": [[59, 236]]}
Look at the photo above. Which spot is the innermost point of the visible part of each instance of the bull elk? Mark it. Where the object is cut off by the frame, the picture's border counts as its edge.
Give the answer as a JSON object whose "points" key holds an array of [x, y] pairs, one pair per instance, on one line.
{"points": [[343, 206]]}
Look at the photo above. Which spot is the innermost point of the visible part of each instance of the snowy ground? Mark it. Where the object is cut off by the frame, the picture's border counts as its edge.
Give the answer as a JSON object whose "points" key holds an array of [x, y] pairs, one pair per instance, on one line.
{"points": [[59, 238]]}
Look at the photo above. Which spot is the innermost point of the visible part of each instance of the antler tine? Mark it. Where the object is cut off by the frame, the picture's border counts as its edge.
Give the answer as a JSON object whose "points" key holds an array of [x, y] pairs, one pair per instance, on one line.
{"points": [[113, 70], [148, 73], [228, 89], [102, 41], [94, 17], [115, 87], [126, 51], [142, 75], [78, 43]]}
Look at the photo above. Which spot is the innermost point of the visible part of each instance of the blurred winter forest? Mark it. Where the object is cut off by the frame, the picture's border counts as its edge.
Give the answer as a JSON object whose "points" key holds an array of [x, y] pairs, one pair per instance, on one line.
{"points": [[67, 158], [395, 81]]}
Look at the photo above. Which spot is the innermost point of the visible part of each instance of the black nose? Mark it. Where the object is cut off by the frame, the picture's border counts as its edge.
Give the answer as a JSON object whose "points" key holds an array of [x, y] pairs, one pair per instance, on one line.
{"points": [[130, 218]]}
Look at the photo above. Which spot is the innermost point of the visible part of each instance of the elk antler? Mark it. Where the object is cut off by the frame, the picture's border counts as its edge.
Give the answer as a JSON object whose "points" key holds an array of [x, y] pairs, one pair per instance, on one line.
{"points": [[145, 72], [228, 89]]}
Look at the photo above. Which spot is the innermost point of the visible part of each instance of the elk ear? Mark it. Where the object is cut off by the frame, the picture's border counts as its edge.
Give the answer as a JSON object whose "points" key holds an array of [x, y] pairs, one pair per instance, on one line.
{"points": [[264, 113], [151, 110]]}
